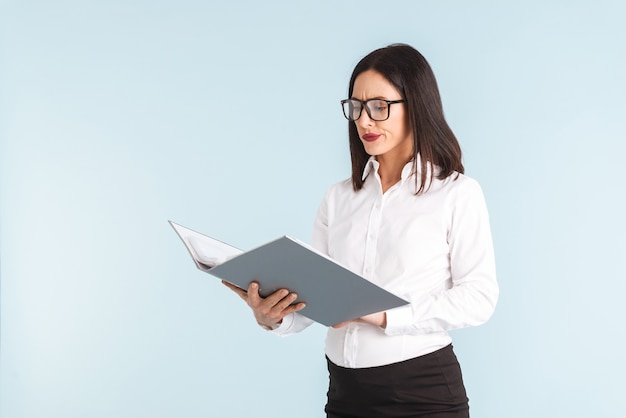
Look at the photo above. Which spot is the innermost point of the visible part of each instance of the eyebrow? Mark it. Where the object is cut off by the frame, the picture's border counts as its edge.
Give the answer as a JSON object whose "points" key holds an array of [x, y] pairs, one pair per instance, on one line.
{"points": [[372, 98]]}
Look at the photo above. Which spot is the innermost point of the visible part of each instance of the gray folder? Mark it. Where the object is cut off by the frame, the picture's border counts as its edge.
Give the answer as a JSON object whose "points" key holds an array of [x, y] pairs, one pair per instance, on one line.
{"points": [[332, 293]]}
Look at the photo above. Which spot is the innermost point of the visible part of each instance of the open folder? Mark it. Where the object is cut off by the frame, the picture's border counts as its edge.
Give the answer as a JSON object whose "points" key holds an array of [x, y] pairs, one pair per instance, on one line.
{"points": [[332, 293]]}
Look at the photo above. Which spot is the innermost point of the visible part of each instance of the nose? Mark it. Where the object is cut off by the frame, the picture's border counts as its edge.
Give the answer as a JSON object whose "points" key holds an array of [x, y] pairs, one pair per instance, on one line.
{"points": [[364, 120]]}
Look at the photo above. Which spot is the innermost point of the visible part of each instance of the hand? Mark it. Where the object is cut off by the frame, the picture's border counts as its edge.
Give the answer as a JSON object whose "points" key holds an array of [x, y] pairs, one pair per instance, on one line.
{"points": [[271, 310], [379, 319]]}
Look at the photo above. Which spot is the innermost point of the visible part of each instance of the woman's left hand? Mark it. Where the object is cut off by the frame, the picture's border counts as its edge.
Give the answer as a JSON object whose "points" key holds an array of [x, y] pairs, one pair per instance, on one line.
{"points": [[379, 319]]}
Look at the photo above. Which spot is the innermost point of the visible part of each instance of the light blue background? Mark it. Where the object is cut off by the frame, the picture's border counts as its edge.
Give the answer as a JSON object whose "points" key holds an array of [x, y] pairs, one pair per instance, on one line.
{"points": [[117, 116]]}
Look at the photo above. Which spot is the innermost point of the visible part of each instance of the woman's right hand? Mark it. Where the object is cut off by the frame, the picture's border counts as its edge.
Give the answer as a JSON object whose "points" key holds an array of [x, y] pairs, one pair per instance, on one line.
{"points": [[271, 310]]}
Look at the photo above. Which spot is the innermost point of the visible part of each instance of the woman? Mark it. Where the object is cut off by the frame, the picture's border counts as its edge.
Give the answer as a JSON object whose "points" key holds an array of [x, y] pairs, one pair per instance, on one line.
{"points": [[411, 222]]}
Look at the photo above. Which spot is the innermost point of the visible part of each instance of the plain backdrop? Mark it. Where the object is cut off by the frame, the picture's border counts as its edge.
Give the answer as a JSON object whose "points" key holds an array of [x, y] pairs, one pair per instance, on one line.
{"points": [[117, 116]]}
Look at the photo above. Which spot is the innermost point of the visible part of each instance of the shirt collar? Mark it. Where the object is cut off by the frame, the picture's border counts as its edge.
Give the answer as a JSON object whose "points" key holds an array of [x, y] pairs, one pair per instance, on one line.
{"points": [[372, 165]]}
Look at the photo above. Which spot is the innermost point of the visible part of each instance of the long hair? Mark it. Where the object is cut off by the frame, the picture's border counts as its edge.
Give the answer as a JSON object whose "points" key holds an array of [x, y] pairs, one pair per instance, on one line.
{"points": [[433, 140]]}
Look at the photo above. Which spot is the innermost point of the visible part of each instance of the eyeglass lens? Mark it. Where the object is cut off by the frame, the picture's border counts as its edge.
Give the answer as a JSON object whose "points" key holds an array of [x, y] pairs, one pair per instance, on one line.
{"points": [[376, 109]]}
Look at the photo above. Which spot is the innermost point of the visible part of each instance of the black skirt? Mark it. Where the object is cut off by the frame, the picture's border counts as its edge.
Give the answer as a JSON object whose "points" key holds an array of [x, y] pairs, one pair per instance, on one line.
{"points": [[427, 386]]}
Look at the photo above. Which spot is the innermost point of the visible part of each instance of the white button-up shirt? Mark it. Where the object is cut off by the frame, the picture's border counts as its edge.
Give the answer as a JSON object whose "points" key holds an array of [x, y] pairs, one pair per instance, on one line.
{"points": [[433, 249]]}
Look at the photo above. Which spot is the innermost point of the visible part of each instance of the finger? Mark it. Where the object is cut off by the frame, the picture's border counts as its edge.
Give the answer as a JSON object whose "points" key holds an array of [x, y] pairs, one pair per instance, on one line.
{"points": [[268, 302], [283, 308], [274, 306], [254, 299], [294, 308], [378, 319], [284, 304], [240, 292], [268, 310], [342, 324]]}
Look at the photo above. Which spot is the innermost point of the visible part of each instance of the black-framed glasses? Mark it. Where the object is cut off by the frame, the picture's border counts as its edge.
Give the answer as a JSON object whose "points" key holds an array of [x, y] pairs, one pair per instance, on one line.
{"points": [[377, 109]]}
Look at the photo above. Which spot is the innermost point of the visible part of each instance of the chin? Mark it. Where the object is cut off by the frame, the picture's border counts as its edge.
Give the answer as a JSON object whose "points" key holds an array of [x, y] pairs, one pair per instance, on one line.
{"points": [[373, 150]]}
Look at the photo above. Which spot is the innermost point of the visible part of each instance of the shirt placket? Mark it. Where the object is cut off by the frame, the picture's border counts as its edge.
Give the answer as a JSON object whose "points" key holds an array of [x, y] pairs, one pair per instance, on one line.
{"points": [[371, 237], [371, 240]]}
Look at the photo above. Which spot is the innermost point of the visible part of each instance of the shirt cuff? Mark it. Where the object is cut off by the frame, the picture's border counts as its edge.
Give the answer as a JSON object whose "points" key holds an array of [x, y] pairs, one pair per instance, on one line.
{"points": [[292, 324], [284, 327], [399, 320], [267, 328], [405, 319]]}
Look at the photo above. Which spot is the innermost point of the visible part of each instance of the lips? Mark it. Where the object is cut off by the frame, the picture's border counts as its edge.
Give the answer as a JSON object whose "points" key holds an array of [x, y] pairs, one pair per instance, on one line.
{"points": [[370, 137]]}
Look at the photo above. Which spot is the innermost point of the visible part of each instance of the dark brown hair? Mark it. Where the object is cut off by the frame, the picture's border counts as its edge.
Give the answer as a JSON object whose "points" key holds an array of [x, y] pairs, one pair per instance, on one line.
{"points": [[433, 140]]}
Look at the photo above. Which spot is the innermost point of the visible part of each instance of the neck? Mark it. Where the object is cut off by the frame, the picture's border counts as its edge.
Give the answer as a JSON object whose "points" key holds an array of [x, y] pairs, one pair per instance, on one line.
{"points": [[390, 170]]}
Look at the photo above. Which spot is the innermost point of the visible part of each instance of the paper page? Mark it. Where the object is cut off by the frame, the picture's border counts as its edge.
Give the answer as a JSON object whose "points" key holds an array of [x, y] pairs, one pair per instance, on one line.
{"points": [[206, 251]]}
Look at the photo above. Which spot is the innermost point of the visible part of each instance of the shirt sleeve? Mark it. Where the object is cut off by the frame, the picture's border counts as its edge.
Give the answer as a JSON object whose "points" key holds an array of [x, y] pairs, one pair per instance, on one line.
{"points": [[474, 292], [292, 324]]}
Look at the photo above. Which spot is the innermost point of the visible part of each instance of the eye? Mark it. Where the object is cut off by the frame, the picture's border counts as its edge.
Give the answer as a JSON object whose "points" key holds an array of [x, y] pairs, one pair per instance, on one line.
{"points": [[379, 105]]}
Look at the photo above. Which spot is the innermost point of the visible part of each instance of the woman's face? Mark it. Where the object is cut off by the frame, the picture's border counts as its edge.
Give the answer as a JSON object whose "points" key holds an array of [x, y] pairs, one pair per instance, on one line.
{"points": [[390, 139]]}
